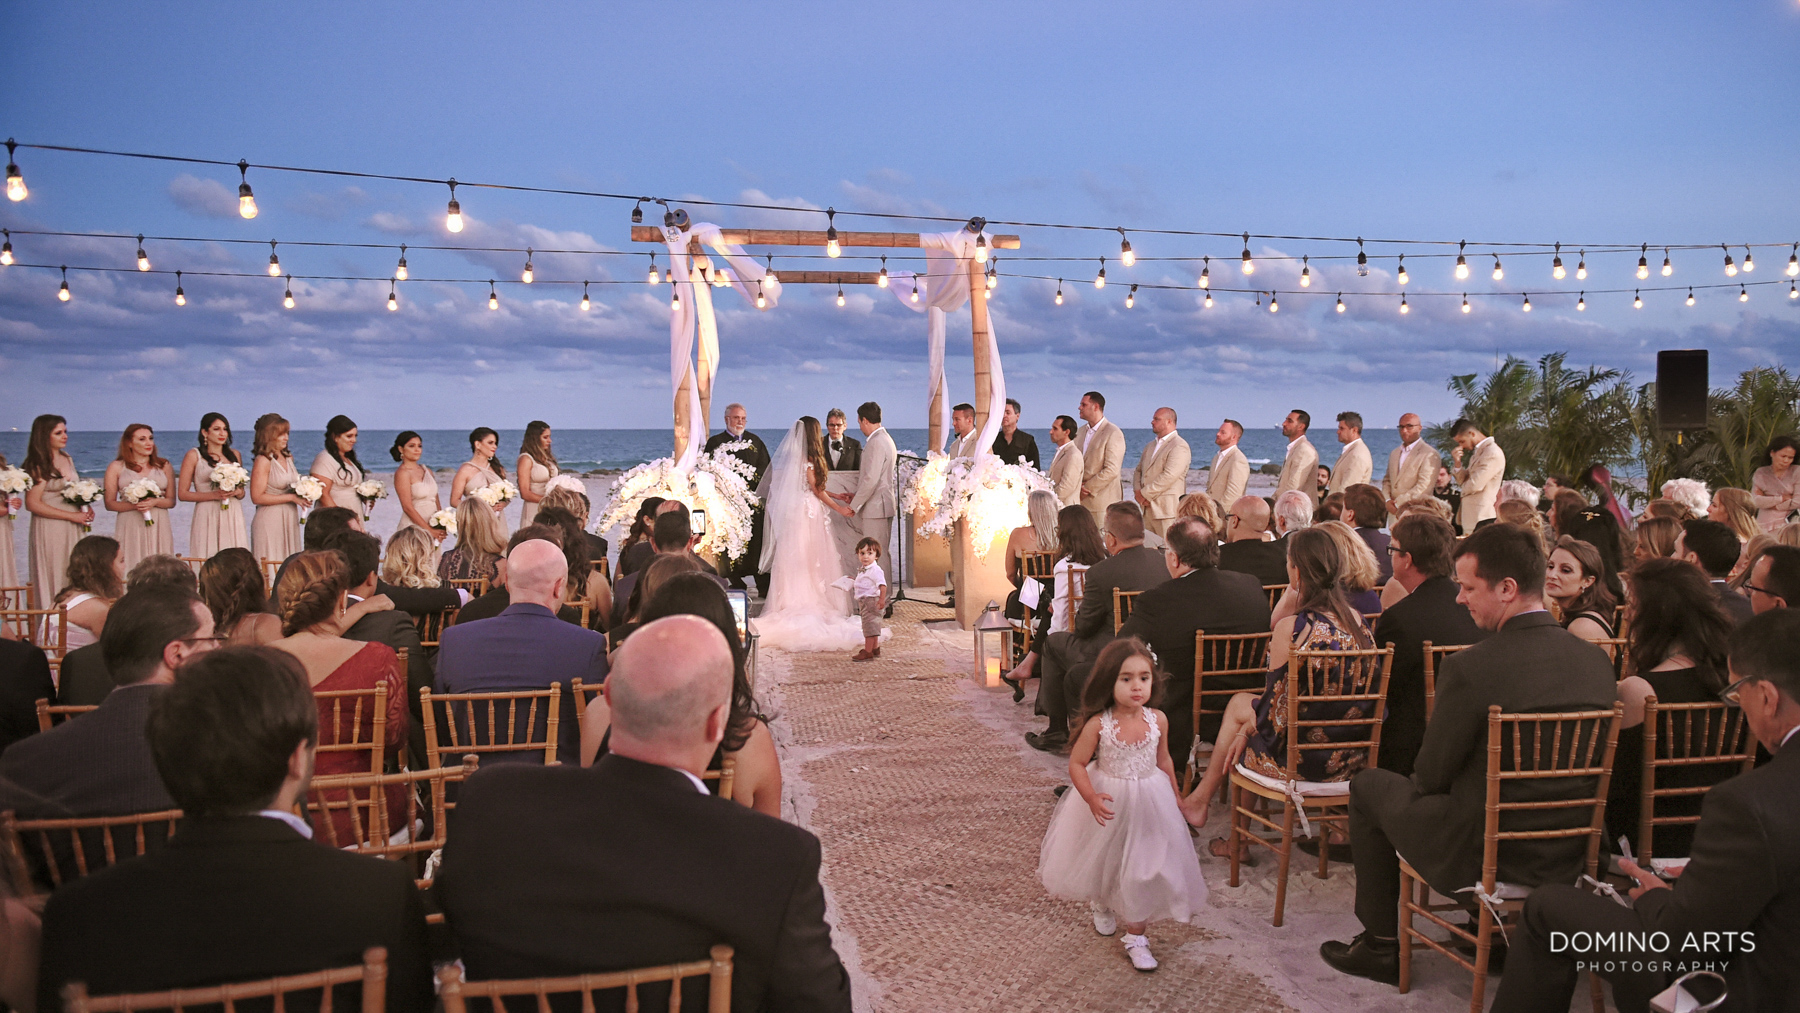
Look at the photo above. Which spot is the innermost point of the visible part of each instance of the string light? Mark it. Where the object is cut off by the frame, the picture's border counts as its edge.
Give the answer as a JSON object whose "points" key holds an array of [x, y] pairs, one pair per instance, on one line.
{"points": [[1259, 298], [1730, 268], [1499, 272], [493, 296], [981, 247], [453, 213], [1637, 299], [1403, 277], [1581, 267], [674, 297], [1793, 291], [1668, 265], [400, 268], [1556, 267], [528, 274], [1362, 260], [1209, 299], [719, 278], [1305, 273], [653, 276], [180, 296], [769, 274], [1340, 302], [287, 297], [586, 303], [1100, 279], [762, 302], [1462, 265], [1274, 304], [143, 259], [637, 216], [274, 261], [1131, 297], [1465, 304], [1404, 309], [246, 199], [63, 293], [993, 274], [1749, 260], [1581, 303], [1690, 298], [1249, 267], [915, 291], [1527, 306], [6, 257], [881, 280], [15, 180], [1205, 272], [1059, 291], [1126, 257], [393, 297], [840, 297], [1643, 270], [831, 237], [1743, 294], [1794, 261]]}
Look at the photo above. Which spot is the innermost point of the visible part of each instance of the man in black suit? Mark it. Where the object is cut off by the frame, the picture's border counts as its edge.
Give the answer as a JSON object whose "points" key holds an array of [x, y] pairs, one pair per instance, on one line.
{"points": [[1128, 567], [1011, 445], [1420, 547], [1244, 550], [843, 453], [756, 455], [83, 680], [1714, 548], [239, 893], [24, 680], [496, 601], [672, 535], [1737, 903], [388, 626], [1198, 597], [629, 863], [1435, 818]]}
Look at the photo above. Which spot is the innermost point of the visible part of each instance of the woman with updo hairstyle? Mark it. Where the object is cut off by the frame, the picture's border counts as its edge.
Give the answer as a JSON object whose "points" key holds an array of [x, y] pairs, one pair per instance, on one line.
{"points": [[414, 485], [142, 528], [96, 579], [631, 556], [586, 585], [275, 531], [218, 521], [537, 466], [480, 542], [1524, 515], [411, 560], [338, 467], [312, 593], [756, 780], [1576, 588], [231, 585], [481, 469], [1656, 538]]}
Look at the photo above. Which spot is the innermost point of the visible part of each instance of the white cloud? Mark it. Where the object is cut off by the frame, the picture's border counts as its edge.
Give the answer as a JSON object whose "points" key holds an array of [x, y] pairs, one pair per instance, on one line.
{"points": [[810, 366], [207, 198]]}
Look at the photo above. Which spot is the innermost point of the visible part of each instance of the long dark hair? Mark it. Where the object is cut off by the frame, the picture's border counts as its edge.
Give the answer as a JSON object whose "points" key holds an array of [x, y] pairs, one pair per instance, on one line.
{"points": [[643, 522], [40, 460], [126, 452], [1673, 610], [815, 450], [698, 594], [1780, 442], [1598, 598], [532, 445], [480, 433], [231, 585], [1320, 568], [206, 422], [1078, 536], [1098, 694], [574, 547], [338, 426], [91, 569], [402, 440]]}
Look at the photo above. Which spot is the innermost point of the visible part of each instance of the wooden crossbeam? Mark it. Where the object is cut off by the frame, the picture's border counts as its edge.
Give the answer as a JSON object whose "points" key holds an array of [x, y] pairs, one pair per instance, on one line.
{"points": [[791, 237]]}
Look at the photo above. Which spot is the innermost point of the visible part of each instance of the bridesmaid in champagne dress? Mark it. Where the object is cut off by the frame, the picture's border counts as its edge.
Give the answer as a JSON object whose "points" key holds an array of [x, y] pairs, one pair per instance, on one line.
{"points": [[414, 485], [9, 567], [338, 467], [56, 524], [537, 466], [142, 528], [275, 533], [480, 470], [218, 516]]}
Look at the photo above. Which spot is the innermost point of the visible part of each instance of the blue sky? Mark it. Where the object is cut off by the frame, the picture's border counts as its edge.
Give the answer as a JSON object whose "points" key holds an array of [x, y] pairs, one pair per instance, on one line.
{"points": [[1525, 122]]}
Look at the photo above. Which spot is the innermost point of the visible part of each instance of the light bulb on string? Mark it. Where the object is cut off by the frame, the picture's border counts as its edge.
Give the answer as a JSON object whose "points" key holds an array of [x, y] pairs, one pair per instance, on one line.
{"points": [[1362, 260], [528, 274], [652, 276], [915, 291], [493, 296], [762, 301], [393, 297], [1404, 308], [143, 259], [881, 280], [1274, 303], [1259, 298], [1059, 291], [674, 295], [840, 295], [1743, 294], [1305, 273], [287, 297], [1749, 260], [274, 261], [453, 212], [1556, 267], [1249, 266], [1209, 299], [1793, 291], [1637, 299], [1668, 267], [1690, 298], [1581, 267], [1340, 302], [1126, 257], [6, 256], [831, 236], [1581, 303], [400, 268], [180, 296], [1205, 272], [246, 199], [993, 274], [1462, 264], [1402, 277], [1643, 270], [1465, 303], [1527, 306], [63, 293], [1793, 267], [1730, 266], [1131, 297], [15, 180], [1100, 279], [637, 215], [981, 248], [586, 303], [1499, 272], [720, 278]]}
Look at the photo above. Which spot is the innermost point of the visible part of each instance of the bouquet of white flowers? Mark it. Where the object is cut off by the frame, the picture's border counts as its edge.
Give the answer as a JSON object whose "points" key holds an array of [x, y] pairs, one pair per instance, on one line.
{"points": [[497, 495], [228, 476], [14, 481], [82, 492], [309, 489], [719, 484], [138, 491], [982, 493], [369, 491], [445, 521]]}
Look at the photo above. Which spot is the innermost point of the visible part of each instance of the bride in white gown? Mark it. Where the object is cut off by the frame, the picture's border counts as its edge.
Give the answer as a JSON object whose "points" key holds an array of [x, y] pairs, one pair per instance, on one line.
{"points": [[803, 611]]}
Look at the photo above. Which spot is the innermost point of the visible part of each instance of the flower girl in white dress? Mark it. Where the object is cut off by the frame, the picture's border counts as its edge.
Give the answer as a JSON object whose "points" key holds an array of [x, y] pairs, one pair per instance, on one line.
{"points": [[1118, 841]]}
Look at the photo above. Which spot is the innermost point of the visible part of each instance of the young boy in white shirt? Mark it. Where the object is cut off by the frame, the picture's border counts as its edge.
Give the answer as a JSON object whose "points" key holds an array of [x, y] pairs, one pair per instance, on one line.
{"points": [[870, 590]]}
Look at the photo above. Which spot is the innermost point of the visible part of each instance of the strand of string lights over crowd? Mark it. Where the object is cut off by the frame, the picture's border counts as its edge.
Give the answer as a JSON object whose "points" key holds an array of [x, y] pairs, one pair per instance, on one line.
{"points": [[453, 222]]}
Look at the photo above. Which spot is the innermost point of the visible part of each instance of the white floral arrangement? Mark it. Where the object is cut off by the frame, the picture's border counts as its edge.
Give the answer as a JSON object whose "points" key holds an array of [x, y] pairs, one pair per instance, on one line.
{"points": [[984, 493], [718, 484], [83, 492], [14, 481], [310, 490], [369, 491], [445, 521], [569, 482], [138, 491], [229, 476], [497, 495], [1689, 492], [921, 484]]}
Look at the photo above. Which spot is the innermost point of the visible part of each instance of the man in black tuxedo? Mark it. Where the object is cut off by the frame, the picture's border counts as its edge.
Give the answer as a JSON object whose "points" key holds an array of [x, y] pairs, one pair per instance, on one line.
{"points": [[1012, 445], [1714, 548], [629, 863], [1198, 596], [389, 626], [1435, 818], [240, 892], [843, 453], [756, 455], [1244, 550], [1741, 887], [1128, 567], [1420, 547]]}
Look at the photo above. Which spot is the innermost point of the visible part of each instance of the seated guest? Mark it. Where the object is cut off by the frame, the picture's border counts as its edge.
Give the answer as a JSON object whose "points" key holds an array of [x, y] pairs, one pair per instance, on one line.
{"points": [[1038, 534], [1421, 547], [1201, 505], [587, 586], [1289, 514], [1435, 818], [313, 592], [1656, 538], [1775, 579], [1739, 880], [1330, 508], [757, 776], [1526, 516], [526, 646], [388, 626], [99, 764], [96, 579], [239, 893], [24, 680], [480, 539], [83, 680], [1129, 566], [1079, 546], [1245, 551], [1359, 573], [231, 585], [1254, 729], [320, 524], [1678, 637], [635, 551], [1575, 584], [1712, 547], [631, 863], [577, 504], [1598, 527], [1365, 510], [411, 559], [671, 534], [1671, 509], [644, 586], [1565, 506], [496, 600], [1197, 597]]}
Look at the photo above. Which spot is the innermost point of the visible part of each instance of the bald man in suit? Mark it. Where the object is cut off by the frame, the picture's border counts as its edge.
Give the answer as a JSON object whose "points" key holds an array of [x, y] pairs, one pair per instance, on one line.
{"points": [[1412, 466], [1102, 457], [1230, 471], [1066, 466], [1300, 470], [1160, 479]]}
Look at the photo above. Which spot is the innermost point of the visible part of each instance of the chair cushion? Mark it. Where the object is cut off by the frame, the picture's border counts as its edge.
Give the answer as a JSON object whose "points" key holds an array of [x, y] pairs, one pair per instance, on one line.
{"points": [[1306, 789]]}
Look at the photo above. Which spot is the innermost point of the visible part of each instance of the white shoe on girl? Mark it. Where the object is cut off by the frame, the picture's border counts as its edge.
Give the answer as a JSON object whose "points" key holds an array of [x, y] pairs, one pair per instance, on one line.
{"points": [[1138, 949]]}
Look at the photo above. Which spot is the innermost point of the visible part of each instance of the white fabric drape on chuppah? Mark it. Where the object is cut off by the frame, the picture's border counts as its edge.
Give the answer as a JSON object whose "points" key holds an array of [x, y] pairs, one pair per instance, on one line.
{"points": [[943, 288], [694, 320]]}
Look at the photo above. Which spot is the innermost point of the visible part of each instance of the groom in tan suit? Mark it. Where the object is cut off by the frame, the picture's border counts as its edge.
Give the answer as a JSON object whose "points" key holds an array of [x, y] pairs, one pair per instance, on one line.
{"points": [[1300, 470], [1160, 479], [1065, 467], [1480, 481], [1230, 471], [874, 499], [1412, 466], [1354, 466], [1102, 457]]}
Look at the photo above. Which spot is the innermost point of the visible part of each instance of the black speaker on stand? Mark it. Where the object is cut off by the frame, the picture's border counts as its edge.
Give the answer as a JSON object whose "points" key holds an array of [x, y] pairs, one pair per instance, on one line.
{"points": [[1681, 388]]}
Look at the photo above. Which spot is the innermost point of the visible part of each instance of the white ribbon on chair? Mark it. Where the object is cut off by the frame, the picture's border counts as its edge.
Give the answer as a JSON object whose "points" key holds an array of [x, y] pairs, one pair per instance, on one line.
{"points": [[944, 288], [1492, 902], [693, 319]]}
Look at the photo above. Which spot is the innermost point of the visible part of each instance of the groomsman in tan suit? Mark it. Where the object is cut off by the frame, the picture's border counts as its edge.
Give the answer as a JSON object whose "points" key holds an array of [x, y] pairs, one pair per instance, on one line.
{"points": [[1102, 457], [1065, 467], [874, 499], [1480, 481], [1412, 466], [1230, 471], [1300, 470], [1354, 466], [962, 421], [1160, 479]]}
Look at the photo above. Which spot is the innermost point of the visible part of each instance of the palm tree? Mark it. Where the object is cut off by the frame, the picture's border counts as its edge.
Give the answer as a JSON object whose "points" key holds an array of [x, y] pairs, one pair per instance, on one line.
{"points": [[1497, 406], [1578, 419], [1744, 419]]}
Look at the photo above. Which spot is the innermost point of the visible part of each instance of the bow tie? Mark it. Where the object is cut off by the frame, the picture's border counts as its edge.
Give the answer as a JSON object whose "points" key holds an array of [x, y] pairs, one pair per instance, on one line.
{"points": [[836, 445]]}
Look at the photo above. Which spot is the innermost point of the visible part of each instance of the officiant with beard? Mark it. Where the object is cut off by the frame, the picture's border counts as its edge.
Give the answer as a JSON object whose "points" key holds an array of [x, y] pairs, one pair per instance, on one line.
{"points": [[756, 455]]}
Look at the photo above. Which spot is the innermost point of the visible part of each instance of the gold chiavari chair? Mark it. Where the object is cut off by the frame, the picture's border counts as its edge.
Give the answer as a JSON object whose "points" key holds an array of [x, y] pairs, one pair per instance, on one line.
{"points": [[474, 722], [1274, 591], [1224, 664], [194, 562], [432, 625], [1123, 601], [50, 715], [476, 586], [72, 848], [1032, 564], [375, 829], [455, 992], [1710, 739], [371, 974], [17, 596], [270, 568], [1619, 650], [1434, 655]]}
